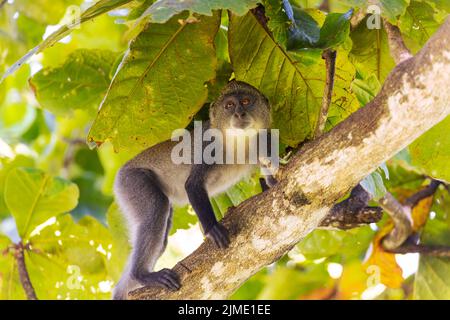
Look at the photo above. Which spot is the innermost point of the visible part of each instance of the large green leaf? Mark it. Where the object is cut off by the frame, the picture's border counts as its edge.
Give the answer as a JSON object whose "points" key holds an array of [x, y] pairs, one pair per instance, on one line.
{"points": [[159, 85], [431, 151], [417, 24], [92, 12], [33, 197], [326, 243], [163, 10], [392, 9], [370, 53], [335, 29], [432, 280], [79, 83], [87, 247], [292, 83]]}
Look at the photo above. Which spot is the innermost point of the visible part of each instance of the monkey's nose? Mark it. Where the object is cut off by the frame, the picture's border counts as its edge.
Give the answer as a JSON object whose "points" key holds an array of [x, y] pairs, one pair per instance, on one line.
{"points": [[240, 115]]}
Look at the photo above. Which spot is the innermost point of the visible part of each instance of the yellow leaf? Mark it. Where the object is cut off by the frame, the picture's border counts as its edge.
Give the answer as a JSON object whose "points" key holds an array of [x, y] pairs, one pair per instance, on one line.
{"points": [[390, 273], [353, 281], [420, 213]]}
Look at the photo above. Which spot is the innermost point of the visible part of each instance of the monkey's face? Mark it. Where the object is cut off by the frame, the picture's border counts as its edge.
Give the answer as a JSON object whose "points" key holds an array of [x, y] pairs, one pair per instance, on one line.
{"points": [[241, 106]]}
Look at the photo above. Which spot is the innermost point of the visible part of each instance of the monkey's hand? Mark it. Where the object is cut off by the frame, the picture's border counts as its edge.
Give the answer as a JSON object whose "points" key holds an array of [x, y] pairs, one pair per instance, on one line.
{"points": [[219, 235], [165, 278]]}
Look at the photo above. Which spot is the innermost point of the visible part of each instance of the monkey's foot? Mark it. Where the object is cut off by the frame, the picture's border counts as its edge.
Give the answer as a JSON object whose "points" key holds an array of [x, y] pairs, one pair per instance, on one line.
{"points": [[165, 278], [219, 235]]}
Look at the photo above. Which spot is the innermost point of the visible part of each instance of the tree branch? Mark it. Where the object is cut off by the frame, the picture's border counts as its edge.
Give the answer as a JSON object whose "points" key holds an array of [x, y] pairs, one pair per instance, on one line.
{"points": [[434, 251], [401, 216], [397, 47], [426, 192], [263, 228], [330, 64], [23, 273]]}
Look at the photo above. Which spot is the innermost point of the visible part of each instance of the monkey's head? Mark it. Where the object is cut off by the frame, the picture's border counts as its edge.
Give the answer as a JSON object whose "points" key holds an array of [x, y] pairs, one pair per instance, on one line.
{"points": [[240, 106]]}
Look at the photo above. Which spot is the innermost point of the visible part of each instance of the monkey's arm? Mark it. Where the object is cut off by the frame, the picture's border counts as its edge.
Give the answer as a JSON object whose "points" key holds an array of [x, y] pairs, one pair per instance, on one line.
{"points": [[198, 197], [267, 182]]}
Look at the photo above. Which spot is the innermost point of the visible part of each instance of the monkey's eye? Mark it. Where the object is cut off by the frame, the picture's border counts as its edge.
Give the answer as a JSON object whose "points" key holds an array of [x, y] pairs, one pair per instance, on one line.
{"points": [[229, 105], [245, 102]]}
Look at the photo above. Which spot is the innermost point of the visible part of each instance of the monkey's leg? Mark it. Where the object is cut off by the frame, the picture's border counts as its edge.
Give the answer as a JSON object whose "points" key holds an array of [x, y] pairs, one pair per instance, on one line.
{"points": [[141, 197]]}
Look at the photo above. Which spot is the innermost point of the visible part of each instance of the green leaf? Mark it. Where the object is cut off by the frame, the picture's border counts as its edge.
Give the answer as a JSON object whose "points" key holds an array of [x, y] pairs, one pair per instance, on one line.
{"points": [[44, 11], [8, 165], [305, 33], [79, 83], [160, 84], [374, 185], [92, 12], [33, 197], [366, 89], [278, 21], [335, 30], [326, 243], [370, 53], [163, 10], [431, 151], [432, 280], [183, 218], [235, 195], [289, 283], [292, 83], [417, 24], [391, 9], [86, 246]]}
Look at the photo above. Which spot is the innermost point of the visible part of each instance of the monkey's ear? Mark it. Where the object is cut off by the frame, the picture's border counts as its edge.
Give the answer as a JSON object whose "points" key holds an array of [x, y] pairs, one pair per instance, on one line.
{"points": [[212, 110]]}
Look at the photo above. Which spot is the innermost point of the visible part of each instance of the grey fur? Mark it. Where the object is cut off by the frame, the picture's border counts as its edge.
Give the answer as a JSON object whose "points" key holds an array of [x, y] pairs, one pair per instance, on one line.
{"points": [[148, 185]]}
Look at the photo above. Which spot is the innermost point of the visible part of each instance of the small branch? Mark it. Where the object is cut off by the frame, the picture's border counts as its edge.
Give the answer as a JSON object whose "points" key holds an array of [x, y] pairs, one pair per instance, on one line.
{"points": [[330, 64], [434, 251], [428, 191], [401, 215], [397, 47], [402, 221], [23, 273], [357, 17], [2, 3], [353, 211], [345, 220], [325, 6]]}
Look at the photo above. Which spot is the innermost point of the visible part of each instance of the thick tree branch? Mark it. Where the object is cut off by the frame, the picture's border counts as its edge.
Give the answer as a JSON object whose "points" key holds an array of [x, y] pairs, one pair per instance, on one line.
{"points": [[330, 64], [23, 273], [263, 228], [397, 47]]}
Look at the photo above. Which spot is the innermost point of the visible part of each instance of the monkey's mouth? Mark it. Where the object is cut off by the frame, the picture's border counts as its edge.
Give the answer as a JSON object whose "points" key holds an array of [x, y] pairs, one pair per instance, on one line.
{"points": [[241, 124]]}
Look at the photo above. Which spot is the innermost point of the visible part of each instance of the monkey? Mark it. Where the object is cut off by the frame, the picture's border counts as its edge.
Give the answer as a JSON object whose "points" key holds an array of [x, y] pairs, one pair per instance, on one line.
{"points": [[147, 187]]}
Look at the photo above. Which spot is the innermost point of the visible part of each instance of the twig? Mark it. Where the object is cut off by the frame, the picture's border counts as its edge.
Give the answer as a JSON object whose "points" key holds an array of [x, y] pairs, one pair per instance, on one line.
{"points": [[325, 6], [428, 191], [353, 211], [330, 64], [2, 3], [401, 215], [23, 273], [357, 17], [429, 250], [397, 47]]}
